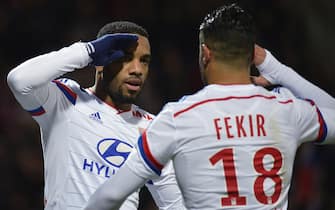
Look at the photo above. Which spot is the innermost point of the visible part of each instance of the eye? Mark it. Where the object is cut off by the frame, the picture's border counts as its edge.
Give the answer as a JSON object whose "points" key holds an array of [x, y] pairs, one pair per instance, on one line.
{"points": [[145, 60]]}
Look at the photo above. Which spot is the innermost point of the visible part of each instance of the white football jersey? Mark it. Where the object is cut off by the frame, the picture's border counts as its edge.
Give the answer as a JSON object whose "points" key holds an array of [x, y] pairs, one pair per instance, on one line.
{"points": [[233, 147], [85, 141]]}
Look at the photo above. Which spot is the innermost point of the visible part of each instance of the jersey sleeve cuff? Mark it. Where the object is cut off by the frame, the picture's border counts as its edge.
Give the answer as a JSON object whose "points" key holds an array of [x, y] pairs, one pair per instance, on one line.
{"points": [[84, 58], [147, 156]]}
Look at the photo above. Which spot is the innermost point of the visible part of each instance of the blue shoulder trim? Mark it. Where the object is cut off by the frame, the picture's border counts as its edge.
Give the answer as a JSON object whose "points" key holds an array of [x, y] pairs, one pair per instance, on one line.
{"points": [[37, 112], [70, 94]]}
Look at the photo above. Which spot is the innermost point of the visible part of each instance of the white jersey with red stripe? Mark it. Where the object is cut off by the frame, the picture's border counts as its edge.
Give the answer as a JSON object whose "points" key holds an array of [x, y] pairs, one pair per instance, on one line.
{"points": [[84, 140], [233, 147]]}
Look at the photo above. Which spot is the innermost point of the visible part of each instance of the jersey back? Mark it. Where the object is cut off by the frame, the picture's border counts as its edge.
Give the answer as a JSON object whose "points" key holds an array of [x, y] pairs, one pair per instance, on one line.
{"points": [[233, 147]]}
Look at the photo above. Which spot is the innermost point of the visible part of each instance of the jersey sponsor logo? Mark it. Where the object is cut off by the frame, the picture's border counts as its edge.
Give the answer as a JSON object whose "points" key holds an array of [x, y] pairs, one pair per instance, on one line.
{"points": [[114, 151], [98, 168]]}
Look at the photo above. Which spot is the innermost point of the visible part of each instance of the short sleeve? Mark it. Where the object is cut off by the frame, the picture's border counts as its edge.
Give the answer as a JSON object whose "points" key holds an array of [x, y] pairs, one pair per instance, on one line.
{"points": [[157, 143], [310, 121]]}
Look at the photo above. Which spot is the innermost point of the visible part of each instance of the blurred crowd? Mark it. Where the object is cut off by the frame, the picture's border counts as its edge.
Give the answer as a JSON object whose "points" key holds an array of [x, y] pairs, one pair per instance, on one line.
{"points": [[299, 33]]}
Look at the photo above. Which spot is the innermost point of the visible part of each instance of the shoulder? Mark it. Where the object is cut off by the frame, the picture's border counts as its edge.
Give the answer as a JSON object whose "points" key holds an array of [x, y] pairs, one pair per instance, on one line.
{"points": [[70, 88], [285, 95], [282, 92], [299, 110], [67, 82], [183, 104]]}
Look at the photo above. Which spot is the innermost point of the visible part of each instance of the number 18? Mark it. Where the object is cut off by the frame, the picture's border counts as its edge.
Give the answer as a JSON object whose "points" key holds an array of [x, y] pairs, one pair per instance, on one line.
{"points": [[234, 197]]}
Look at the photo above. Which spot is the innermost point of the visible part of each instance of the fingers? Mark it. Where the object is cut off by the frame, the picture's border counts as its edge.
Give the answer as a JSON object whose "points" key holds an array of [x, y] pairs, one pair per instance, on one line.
{"points": [[124, 41], [259, 55], [111, 47], [260, 81], [116, 55], [125, 36]]}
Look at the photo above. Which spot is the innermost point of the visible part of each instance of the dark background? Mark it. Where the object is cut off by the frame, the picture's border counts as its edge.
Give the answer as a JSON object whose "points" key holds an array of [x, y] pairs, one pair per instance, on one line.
{"points": [[299, 33]]}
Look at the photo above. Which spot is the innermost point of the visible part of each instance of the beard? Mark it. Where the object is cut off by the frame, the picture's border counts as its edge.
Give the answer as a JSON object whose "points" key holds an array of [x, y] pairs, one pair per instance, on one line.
{"points": [[117, 94], [119, 97]]}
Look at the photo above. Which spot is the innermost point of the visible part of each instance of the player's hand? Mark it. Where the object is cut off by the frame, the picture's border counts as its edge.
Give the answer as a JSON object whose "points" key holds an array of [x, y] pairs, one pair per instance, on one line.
{"points": [[259, 55], [110, 47], [260, 81]]}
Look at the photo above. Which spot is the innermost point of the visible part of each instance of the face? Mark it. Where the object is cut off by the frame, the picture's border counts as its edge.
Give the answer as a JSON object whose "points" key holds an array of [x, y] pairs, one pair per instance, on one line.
{"points": [[124, 79]]}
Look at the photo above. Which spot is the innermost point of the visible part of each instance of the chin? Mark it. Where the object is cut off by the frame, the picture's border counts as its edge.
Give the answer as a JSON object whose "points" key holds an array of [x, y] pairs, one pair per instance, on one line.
{"points": [[124, 97], [131, 96]]}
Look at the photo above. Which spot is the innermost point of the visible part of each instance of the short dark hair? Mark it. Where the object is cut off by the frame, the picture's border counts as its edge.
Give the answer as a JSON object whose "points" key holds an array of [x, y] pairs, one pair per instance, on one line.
{"points": [[122, 27], [230, 33]]}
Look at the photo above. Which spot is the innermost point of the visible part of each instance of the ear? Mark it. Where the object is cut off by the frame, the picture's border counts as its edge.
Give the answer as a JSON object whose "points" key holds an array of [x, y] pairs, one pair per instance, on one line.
{"points": [[206, 54]]}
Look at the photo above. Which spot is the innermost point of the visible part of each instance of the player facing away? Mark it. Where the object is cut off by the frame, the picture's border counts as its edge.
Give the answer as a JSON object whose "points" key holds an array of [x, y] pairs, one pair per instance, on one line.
{"points": [[88, 134], [232, 143]]}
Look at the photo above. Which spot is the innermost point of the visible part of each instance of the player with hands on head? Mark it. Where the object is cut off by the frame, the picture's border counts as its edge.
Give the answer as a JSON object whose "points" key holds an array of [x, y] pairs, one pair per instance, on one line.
{"points": [[110, 47], [232, 143], [87, 134], [272, 72]]}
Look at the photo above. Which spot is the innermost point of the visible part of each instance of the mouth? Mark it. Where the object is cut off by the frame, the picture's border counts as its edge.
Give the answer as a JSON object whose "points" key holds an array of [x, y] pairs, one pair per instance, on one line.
{"points": [[133, 84]]}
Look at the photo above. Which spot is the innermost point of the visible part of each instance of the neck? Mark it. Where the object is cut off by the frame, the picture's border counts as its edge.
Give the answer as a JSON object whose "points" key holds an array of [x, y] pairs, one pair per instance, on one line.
{"points": [[226, 74]]}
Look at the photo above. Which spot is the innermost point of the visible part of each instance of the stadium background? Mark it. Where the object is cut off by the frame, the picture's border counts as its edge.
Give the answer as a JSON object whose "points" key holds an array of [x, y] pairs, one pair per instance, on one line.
{"points": [[300, 33]]}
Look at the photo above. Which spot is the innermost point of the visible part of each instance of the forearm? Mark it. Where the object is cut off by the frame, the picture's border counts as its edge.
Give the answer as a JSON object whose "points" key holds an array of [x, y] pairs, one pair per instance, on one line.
{"points": [[165, 190], [36, 73], [39, 70], [278, 73], [168, 198], [114, 191]]}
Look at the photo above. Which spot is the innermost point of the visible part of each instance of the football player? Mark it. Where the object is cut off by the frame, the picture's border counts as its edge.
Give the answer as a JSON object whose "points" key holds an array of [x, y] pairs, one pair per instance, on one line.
{"points": [[232, 143], [87, 134]]}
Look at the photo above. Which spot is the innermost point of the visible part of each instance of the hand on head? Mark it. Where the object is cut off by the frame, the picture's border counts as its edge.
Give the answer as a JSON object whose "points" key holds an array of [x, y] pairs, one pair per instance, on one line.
{"points": [[259, 57], [110, 47]]}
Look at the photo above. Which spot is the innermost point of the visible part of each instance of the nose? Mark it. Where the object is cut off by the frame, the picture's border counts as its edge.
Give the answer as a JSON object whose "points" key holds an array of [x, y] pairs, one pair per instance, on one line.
{"points": [[136, 67]]}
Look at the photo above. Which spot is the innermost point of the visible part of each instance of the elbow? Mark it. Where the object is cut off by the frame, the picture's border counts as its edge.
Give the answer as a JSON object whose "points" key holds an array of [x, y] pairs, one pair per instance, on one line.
{"points": [[16, 82]]}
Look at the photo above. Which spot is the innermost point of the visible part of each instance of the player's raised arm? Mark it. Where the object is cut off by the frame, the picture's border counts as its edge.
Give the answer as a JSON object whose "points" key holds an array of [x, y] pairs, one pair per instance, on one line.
{"points": [[27, 79], [275, 72], [91, 131]]}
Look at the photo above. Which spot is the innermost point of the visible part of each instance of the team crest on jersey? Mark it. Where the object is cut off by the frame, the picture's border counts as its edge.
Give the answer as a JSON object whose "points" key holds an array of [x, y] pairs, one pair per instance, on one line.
{"points": [[114, 151]]}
